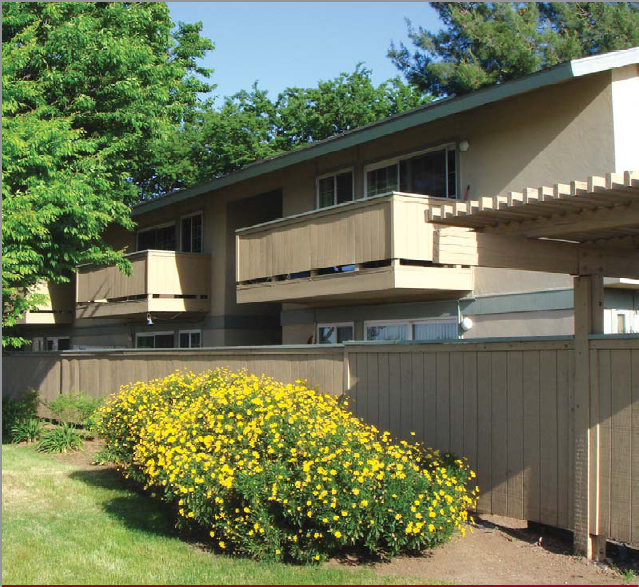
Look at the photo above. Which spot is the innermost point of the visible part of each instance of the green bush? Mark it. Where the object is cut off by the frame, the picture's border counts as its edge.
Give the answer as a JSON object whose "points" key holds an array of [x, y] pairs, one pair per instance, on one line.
{"points": [[281, 472], [26, 430], [77, 408], [18, 409], [63, 438]]}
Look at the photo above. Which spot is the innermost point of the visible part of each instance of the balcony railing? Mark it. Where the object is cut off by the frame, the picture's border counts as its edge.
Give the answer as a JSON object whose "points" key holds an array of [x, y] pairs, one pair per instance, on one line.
{"points": [[58, 309], [160, 281], [381, 247]]}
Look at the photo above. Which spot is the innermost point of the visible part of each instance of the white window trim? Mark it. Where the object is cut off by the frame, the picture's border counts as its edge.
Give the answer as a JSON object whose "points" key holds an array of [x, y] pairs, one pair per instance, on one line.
{"points": [[154, 227], [154, 334], [450, 146], [407, 323], [194, 331], [337, 325], [198, 213], [334, 175], [610, 320]]}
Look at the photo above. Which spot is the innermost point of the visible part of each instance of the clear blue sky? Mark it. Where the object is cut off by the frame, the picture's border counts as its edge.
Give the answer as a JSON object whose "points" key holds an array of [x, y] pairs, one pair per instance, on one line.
{"points": [[284, 44]]}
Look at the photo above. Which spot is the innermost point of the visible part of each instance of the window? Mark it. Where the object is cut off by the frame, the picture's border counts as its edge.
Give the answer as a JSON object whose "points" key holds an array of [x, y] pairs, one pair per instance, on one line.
{"points": [[334, 189], [59, 343], [431, 173], [156, 340], [424, 329], [335, 333], [191, 233], [37, 344], [160, 238], [190, 339]]}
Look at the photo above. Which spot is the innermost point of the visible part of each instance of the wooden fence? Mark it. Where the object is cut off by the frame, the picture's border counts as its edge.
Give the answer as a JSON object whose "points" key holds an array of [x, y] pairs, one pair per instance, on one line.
{"points": [[506, 405]]}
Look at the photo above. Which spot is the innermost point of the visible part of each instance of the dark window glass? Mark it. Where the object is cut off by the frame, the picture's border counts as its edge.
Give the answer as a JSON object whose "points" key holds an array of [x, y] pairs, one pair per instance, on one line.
{"points": [[381, 181], [196, 340], [452, 175], [344, 183], [146, 240], [186, 235], [192, 234], [163, 341], [162, 239], [196, 231], [64, 344], [344, 333], [326, 191], [146, 342], [185, 339]]}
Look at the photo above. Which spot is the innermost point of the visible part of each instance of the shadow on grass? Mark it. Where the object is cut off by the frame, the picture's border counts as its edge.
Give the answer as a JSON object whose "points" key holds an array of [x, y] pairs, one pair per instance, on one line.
{"points": [[137, 511]]}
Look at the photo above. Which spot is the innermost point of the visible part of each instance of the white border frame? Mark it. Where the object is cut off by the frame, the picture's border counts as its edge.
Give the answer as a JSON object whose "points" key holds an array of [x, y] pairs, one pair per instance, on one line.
{"points": [[197, 213], [334, 175], [409, 322], [180, 332], [154, 334], [337, 325], [448, 146]]}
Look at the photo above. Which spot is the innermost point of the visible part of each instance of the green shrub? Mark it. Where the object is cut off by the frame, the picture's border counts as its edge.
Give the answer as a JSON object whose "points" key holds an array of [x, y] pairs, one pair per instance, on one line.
{"points": [[281, 472], [26, 430], [18, 409], [105, 456], [63, 438], [77, 408]]}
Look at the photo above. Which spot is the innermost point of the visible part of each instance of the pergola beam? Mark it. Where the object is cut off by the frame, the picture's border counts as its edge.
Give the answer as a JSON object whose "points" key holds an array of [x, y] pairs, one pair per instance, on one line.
{"points": [[480, 249]]}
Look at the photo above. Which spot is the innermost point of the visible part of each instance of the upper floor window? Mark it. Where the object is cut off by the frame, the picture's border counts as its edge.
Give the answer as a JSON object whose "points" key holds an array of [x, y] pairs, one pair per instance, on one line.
{"points": [[191, 233], [431, 173], [336, 188], [159, 238]]}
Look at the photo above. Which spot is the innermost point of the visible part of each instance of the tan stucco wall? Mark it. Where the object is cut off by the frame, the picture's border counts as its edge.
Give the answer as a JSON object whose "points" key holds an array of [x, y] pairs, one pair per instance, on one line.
{"points": [[540, 323]]}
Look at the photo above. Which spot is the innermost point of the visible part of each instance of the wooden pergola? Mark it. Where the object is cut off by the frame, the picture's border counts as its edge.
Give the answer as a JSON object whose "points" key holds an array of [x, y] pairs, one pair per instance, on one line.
{"points": [[588, 229]]}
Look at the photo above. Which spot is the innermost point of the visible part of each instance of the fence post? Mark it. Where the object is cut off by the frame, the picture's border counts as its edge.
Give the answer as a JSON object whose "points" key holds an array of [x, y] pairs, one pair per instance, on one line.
{"points": [[588, 315]]}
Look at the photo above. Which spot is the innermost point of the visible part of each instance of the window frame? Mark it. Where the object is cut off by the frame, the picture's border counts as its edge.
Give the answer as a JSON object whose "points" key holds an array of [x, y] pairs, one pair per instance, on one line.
{"points": [[191, 215], [154, 334], [191, 331], [57, 340], [409, 323], [448, 146], [336, 325], [154, 227], [334, 175]]}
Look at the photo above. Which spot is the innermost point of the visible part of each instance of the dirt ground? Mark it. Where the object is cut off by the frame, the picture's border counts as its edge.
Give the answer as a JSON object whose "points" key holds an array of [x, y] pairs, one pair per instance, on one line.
{"points": [[502, 551], [499, 551]]}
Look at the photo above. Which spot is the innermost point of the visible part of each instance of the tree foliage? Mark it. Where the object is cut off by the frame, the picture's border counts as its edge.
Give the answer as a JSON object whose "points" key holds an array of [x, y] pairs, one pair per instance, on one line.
{"points": [[89, 91], [249, 126], [485, 43]]}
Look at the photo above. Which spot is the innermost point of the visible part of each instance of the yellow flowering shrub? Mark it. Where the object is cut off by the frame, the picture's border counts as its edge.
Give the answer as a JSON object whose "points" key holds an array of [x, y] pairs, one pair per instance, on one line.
{"points": [[280, 471]]}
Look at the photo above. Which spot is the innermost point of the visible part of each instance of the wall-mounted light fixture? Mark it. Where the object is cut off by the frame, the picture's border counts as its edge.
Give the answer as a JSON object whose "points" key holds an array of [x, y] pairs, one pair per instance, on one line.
{"points": [[149, 320], [464, 146], [466, 324]]}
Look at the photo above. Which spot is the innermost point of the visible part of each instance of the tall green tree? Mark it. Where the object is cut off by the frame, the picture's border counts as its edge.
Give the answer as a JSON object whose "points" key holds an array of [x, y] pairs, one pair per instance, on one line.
{"points": [[250, 126], [89, 91], [484, 43]]}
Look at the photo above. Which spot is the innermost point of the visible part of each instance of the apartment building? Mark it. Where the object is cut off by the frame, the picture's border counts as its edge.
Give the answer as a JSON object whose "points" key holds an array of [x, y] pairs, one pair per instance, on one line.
{"points": [[333, 242]]}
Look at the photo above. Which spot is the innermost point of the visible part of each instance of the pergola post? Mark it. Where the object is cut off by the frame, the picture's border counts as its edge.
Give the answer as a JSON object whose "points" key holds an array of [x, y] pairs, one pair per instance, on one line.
{"points": [[588, 315]]}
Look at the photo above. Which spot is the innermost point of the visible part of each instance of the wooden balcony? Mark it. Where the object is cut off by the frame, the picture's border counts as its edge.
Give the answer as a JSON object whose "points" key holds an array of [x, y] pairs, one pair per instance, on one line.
{"points": [[378, 249], [58, 309], [160, 282]]}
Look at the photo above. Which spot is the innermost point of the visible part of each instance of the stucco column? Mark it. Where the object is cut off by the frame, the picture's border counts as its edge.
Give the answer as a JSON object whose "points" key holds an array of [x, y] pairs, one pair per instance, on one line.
{"points": [[588, 312]]}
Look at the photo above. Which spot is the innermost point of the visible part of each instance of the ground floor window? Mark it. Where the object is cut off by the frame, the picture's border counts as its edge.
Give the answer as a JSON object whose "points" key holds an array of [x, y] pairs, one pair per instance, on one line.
{"points": [[190, 339], [155, 340], [58, 343], [335, 333], [422, 329]]}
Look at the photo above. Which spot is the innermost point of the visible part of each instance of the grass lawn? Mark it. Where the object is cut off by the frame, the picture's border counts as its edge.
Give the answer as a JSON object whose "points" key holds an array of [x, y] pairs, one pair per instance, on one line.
{"points": [[76, 524]]}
